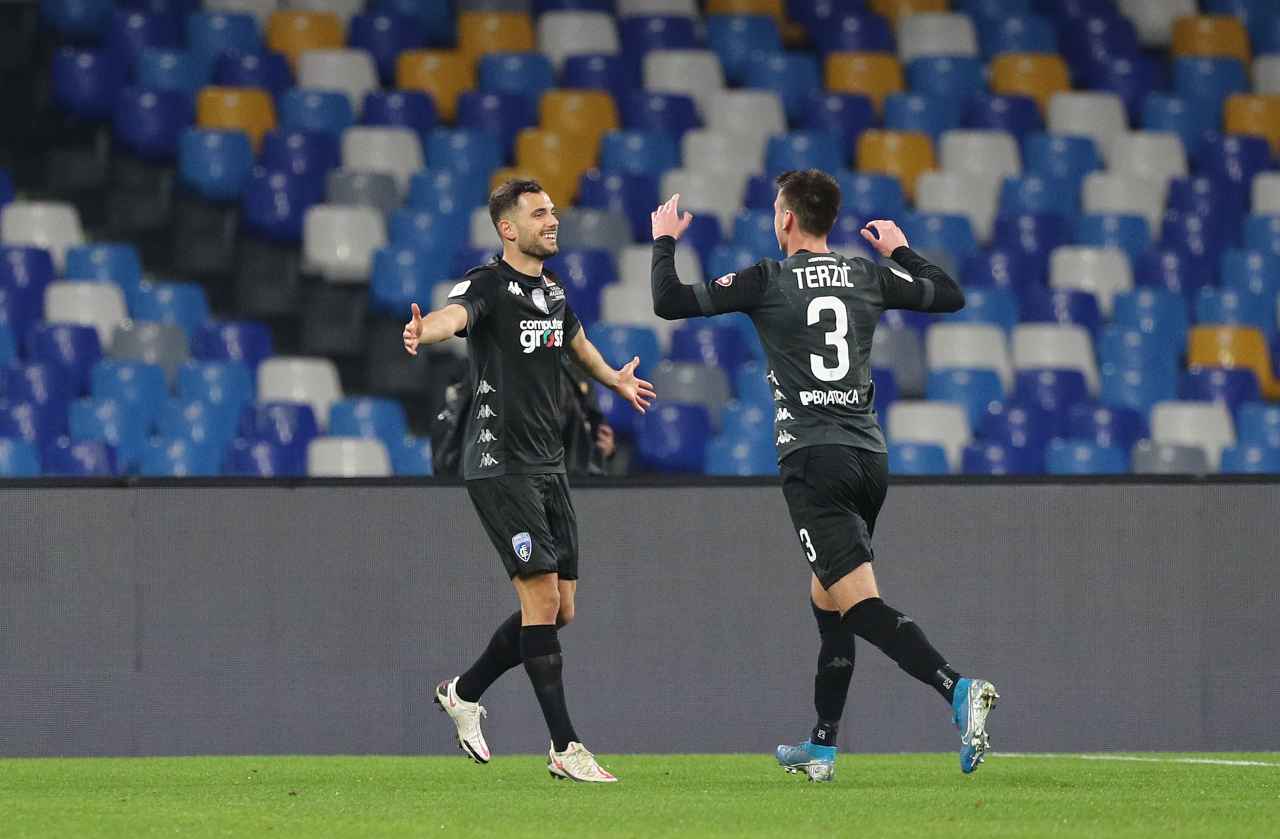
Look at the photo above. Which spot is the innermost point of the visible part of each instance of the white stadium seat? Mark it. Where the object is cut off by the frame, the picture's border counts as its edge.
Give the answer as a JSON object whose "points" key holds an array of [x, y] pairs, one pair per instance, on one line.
{"points": [[1097, 115], [344, 9], [663, 8], [936, 34], [480, 231], [52, 225], [1153, 155], [348, 70], [1061, 346], [929, 421], [1154, 18], [562, 34], [991, 154], [695, 73], [1112, 192], [347, 457], [339, 242], [746, 112], [715, 193], [1102, 272], [1206, 425], [1265, 194], [589, 227], [969, 345], [260, 9], [1266, 73], [722, 152], [630, 301], [391, 149], [306, 379], [96, 304], [960, 193]]}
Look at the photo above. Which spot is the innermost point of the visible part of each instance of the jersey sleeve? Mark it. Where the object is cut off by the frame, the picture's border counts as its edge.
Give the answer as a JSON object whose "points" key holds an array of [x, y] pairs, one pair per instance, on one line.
{"points": [[572, 326], [740, 291], [918, 285], [475, 293]]}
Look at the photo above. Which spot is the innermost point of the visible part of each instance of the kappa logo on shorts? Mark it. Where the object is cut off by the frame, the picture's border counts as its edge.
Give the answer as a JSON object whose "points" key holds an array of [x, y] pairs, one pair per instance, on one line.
{"points": [[522, 544]]}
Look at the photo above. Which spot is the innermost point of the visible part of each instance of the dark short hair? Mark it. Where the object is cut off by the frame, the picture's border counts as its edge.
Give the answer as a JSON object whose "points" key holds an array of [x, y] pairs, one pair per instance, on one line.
{"points": [[507, 194], [813, 197]]}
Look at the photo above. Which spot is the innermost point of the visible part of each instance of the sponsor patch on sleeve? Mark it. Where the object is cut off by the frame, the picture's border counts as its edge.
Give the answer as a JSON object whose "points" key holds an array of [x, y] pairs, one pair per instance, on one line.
{"points": [[726, 280], [460, 289]]}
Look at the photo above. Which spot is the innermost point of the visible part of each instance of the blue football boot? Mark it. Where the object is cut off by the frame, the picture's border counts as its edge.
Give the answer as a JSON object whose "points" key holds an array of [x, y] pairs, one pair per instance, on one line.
{"points": [[818, 762], [974, 699]]}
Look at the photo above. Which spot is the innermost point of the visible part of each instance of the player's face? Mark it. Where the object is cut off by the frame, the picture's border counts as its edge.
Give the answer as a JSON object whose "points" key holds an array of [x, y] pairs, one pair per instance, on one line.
{"points": [[782, 221], [537, 225]]}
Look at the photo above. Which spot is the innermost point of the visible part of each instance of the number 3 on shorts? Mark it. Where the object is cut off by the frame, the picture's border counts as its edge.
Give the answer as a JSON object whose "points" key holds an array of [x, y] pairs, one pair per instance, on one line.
{"points": [[808, 544]]}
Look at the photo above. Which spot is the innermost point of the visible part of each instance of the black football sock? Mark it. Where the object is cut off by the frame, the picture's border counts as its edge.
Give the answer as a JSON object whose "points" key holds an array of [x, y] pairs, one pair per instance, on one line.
{"points": [[835, 669], [900, 639], [501, 655], [540, 649]]}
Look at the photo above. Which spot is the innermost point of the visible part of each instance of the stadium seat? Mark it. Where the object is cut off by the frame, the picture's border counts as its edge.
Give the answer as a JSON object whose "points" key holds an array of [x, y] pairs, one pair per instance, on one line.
{"points": [[51, 226], [179, 458], [1241, 307], [959, 193], [1207, 196], [1214, 384], [463, 151], [802, 150], [391, 150], [1004, 268], [583, 114], [138, 386], [619, 343], [945, 239], [793, 77], [1058, 346], [1264, 194], [210, 35], [215, 164], [901, 351], [442, 74], [868, 194], [313, 381], [1234, 347], [1166, 113], [956, 78], [1173, 269], [557, 158], [642, 34], [695, 73], [246, 342], [112, 423], [1016, 115], [846, 114], [1154, 21], [1042, 305], [591, 228], [1251, 459], [226, 386], [76, 20], [107, 262], [525, 74], [937, 34], [1113, 193], [236, 109], [1037, 75], [917, 112], [988, 154], [294, 33], [969, 346], [377, 190], [1014, 31], [78, 459], [200, 422], [974, 389], [488, 32], [411, 456], [1261, 233], [1150, 458], [1083, 457], [1099, 116], [673, 437], [384, 35], [350, 71], [918, 459], [164, 344], [275, 203], [1069, 158], [835, 29], [289, 425], [268, 70], [1236, 158], [1102, 272], [1205, 83], [1034, 235], [430, 231], [1157, 312], [402, 275], [741, 456], [986, 458], [727, 153], [672, 114], [445, 188], [382, 419], [871, 74], [100, 305], [1039, 195], [566, 33], [1150, 155], [1206, 425], [1254, 114], [1266, 74], [149, 123], [1259, 424], [1251, 270], [258, 459], [638, 152], [591, 72], [903, 155], [739, 39], [1053, 391], [316, 111], [339, 242], [171, 69], [938, 423], [1106, 427], [1211, 36], [694, 384]]}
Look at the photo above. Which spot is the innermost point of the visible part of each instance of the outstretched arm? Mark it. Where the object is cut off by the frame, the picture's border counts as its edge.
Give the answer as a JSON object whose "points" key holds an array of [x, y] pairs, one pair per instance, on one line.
{"points": [[673, 299], [925, 287], [623, 382], [435, 327]]}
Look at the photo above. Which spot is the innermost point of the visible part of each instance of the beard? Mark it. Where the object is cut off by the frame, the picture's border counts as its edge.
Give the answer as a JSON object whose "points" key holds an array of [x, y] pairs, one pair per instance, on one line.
{"points": [[539, 248]]}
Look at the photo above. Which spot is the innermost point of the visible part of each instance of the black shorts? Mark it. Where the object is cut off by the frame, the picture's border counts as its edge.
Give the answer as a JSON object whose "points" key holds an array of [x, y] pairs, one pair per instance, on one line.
{"points": [[531, 521], [834, 494]]}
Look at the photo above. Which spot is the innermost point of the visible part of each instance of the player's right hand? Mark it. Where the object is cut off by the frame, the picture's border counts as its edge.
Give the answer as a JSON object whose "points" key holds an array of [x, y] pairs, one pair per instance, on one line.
{"points": [[413, 331], [667, 220], [884, 236]]}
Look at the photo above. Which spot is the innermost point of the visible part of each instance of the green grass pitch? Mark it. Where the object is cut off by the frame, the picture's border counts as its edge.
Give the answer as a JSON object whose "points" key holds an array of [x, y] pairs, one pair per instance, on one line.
{"points": [[683, 795]]}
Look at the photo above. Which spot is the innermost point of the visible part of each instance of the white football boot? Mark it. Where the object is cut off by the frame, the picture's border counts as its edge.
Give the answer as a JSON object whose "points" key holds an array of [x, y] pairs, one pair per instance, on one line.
{"points": [[466, 717], [577, 764]]}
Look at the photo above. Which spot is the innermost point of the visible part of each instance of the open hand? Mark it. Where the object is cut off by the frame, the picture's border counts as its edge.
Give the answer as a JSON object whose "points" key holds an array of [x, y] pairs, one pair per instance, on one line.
{"points": [[413, 331], [636, 391], [890, 236], [667, 220]]}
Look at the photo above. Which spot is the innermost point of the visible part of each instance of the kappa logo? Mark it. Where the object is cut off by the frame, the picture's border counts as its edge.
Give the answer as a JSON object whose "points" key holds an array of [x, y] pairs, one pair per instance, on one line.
{"points": [[785, 437], [773, 380], [488, 461], [522, 544], [485, 388], [514, 288], [726, 280], [783, 415], [485, 412], [839, 662], [487, 436], [778, 395]]}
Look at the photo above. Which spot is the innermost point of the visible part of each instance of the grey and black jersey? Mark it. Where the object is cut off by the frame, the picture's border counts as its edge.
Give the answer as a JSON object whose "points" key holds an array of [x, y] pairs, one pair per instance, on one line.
{"points": [[816, 314], [517, 328]]}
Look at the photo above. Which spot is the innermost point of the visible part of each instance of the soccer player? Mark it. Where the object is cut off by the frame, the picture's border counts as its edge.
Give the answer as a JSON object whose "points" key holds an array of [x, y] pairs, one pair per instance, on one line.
{"points": [[815, 311], [517, 323]]}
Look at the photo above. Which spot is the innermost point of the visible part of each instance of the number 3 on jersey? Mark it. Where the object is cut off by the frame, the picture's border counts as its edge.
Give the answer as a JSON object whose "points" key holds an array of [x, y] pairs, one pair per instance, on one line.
{"points": [[836, 338], [808, 544]]}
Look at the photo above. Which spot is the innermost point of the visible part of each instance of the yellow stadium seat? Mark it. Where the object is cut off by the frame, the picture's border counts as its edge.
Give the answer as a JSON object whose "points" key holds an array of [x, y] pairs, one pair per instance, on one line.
{"points": [[1233, 346], [1220, 36], [293, 33], [903, 154], [482, 32], [895, 9], [589, 114], [1038, 75], [775, 9], [1255, 114], [444, 74], [560, 158], [558, 185], [873, 74], [246, 109]]}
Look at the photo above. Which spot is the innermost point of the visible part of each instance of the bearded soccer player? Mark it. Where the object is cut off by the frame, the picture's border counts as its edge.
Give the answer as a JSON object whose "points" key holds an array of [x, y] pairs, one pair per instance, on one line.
{"points": [[517, 323], [815, 311]]}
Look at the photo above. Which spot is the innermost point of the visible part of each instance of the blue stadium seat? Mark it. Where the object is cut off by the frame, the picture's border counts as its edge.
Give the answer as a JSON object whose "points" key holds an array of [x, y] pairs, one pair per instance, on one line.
{"points": [[917, 459], [433, 231], [139, 387], [79, 458], [1068, 158], [329, 111], [1043, 305], [742, 420], [225, 385], [926, 114], [132, 31], [76, 19], [1003, 267], [844, 114], [918, 322], [1018, 425], [86, 82], [1106, 427], [1166, 112], [932, 232], [113, 423], [1173, 269], [751, 385], [753, 230], [6, 188], [200, 422], [1018, 115], [1237, 307], [468, 257], [25, 272], [249, 458], [1208, 196], [174, 457], [432, 188], [502, 114], [1096, 37], [1129, 233], [597, 72], [955, 78], [312, 153], [803, 150], [541, 6], [995, 459], [1158, 312], [1016, 33], [583, 268], [16, 316], [216, 165], [1249, 270], [984, 10], [853, 32], [846, 234], [671, 113], [740, 39], [275, 203], [1136, 388], [989, 305], [709, 342], [729, 258], [1033, 234], [267, 70], [402, 275], [247, 341], [1039, 195], [793, 76], [25, 421], [369, 417], [673, 437], [1053, 391], [1126, 346], [730, 455], [886, 392], [40, 384], [410, 109], [703, 235], [211, 34], [1259, 423], [18, 459], [182, 303], [1251, 459], [636, 152], [70, 349], [111, 262], [149, 123], [1084, 457], [1236, 158], [290, 425], [1264, 30], [1207, 82], [1199, 235], [869, 194], [466, 151], [1131, 77], [975, 389], [633, 195], [436, 19], [619, 344], [641, 34], [1234, 387], [1262, 233], [384, 35], [8, 344], [411, 456], [617, 412]]}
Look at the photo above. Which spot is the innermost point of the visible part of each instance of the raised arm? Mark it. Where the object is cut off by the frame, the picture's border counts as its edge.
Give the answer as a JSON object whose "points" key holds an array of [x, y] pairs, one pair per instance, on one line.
{"points": [[672, 299], [924, 288], [623, 382], [435, 327]]}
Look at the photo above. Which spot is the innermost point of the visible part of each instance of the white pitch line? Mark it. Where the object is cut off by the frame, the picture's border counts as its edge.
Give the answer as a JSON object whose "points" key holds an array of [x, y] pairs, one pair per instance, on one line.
{"points": [[1206, 761]]}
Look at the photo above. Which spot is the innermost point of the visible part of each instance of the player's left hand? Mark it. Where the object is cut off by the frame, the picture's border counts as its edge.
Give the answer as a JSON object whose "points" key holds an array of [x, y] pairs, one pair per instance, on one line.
{"points": [[667, 220], [636, 391]]}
